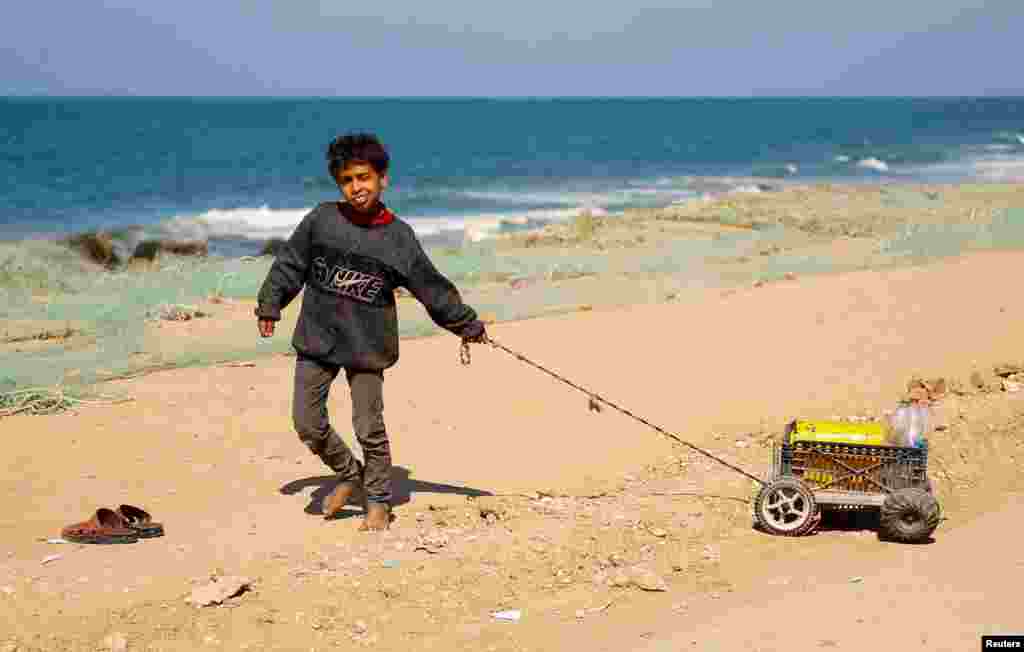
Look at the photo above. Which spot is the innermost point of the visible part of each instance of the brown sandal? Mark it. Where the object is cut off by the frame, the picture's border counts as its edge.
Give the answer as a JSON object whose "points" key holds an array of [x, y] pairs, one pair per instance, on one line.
{"points": [[139, 520], [106, 526]]}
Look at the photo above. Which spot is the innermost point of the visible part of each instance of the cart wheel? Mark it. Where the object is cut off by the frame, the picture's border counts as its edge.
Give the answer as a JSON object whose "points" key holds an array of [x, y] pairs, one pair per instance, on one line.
{"points": [[786, 507], [909, 516]]}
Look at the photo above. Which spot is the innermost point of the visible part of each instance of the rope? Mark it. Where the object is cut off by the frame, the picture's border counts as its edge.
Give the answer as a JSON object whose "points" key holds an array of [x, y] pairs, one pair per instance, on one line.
{"points": [[465, 359]]}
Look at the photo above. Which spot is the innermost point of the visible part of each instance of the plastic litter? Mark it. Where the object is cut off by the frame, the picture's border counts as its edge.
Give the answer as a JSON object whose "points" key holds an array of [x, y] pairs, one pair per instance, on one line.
{"points": [[910, 424], [511, 615]]}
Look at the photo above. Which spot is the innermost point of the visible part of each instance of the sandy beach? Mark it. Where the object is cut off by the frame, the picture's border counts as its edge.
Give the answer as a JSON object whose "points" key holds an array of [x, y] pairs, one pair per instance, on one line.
{"points": [[512, 493]]}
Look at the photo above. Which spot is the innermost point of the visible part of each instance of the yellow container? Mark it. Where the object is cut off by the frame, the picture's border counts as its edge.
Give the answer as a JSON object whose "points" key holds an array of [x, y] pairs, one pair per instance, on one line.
{"points": [[871, 433]]}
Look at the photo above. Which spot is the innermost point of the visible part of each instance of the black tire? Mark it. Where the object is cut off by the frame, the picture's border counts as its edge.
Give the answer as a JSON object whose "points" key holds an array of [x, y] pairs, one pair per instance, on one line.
{"points": [[909, 516], [786, 507]]}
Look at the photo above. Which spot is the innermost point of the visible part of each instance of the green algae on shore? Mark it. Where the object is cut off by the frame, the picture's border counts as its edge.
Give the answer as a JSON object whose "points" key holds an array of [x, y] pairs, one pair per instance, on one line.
{"points": [[639, 256]]}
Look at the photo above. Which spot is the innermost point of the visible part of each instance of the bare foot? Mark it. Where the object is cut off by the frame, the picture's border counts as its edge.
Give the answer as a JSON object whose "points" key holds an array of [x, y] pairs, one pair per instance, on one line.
{"points": [[378, 517], [336, 501]]}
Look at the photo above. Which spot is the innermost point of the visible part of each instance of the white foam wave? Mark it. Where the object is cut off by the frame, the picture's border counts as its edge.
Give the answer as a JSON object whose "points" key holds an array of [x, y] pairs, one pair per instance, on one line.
{"points": [[976, 163], [260, 223], [263, 223], [873, 164], [999, 148], [1005, 168], [749, 189], [842, 158]]}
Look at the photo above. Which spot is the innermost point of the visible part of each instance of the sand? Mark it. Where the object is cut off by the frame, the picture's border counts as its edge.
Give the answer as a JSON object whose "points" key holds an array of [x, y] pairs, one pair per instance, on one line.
{"points": [[577, 496]]}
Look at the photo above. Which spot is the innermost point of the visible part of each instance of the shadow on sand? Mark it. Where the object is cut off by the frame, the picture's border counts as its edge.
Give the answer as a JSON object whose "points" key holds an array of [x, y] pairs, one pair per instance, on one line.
{"points": [[867, 520], [402, 487]]}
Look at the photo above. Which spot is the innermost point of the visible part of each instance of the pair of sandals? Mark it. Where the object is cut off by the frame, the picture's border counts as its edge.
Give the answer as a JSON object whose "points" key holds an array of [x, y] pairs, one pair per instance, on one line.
{"points": [[127, 524]]}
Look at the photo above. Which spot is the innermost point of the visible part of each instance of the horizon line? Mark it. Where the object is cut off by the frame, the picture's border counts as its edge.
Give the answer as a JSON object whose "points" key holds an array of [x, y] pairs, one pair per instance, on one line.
{"points": [[501, 97]]}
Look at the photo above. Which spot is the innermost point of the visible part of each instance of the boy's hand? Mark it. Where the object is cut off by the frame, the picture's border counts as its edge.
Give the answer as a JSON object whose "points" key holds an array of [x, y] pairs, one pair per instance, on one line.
{"points": [[266, 327], [475, 332]]}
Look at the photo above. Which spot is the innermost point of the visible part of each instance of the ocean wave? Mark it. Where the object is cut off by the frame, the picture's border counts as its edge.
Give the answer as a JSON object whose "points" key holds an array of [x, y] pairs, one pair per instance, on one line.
{"points": [[873, 164], [981, 162], [1013, 137], [262, 223], [1000, 169]]}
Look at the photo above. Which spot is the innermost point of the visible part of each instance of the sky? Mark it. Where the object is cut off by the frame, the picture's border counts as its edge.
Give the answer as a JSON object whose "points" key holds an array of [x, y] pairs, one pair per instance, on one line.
{"points": [[524, 48]]}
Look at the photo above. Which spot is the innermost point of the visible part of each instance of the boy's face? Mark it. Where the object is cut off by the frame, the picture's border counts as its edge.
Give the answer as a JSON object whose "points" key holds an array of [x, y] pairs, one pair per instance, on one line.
{"points": [[361, 185]]}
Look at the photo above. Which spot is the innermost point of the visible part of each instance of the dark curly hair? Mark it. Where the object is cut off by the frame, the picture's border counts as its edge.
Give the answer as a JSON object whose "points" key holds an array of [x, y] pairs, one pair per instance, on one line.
{"points": [[357, 147]]}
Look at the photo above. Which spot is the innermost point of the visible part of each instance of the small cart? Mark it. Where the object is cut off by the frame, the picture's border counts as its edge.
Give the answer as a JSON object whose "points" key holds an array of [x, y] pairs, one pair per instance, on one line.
{"points": [[835, 465]]}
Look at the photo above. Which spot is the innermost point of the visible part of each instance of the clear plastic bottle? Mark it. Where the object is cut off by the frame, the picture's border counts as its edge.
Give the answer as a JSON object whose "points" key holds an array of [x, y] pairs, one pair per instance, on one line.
{"points": [[909, 425]]}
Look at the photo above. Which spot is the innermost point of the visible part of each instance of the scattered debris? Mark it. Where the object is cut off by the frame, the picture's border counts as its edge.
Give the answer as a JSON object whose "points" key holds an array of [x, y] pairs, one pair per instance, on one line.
{"points": [[856, 580], [491, 508], [218, 590], [432, 542], [1008, 369], [509, 615], [176, 312], [50, 558], [36, 401], [647, 579]]}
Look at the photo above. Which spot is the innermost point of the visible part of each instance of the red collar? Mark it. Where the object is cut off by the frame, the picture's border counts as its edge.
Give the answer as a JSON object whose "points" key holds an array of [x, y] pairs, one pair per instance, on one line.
{"points": [[383, 216]]}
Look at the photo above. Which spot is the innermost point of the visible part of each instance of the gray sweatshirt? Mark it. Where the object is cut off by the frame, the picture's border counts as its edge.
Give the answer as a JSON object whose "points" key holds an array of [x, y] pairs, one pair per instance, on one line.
{"points": [[350, 271]]}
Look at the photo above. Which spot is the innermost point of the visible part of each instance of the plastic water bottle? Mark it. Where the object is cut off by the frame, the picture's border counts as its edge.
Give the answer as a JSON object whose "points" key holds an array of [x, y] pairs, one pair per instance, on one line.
{"points": [[919, 420], [910, 424]]}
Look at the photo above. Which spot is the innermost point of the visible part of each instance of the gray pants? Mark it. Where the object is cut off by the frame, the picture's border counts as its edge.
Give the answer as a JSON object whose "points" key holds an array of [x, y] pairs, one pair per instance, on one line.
{"points": [[313, 380]]}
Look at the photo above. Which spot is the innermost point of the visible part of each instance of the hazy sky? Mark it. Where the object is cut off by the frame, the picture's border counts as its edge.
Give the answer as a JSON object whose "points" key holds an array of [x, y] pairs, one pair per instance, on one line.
{"points": [[528, 47]]}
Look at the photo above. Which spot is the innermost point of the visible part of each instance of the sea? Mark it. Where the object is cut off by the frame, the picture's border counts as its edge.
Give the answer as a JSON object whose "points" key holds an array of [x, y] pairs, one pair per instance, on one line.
{"points": [[236, 172]]}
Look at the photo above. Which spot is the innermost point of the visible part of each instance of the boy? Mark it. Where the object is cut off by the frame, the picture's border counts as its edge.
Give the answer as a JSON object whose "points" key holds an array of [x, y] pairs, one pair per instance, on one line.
{"points": [[350, 256]]}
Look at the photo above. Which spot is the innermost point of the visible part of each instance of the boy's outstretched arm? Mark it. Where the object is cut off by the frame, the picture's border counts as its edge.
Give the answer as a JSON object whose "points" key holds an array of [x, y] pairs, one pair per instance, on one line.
{"points": [[440, 297], [288, 273]]}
